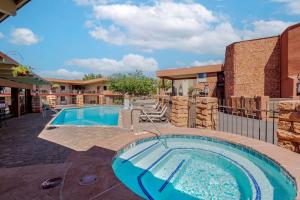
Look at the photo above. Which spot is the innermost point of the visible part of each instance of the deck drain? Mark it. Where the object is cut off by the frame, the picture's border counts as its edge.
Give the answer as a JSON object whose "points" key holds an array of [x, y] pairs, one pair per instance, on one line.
{"points": [[51, 183], [87, 179]]}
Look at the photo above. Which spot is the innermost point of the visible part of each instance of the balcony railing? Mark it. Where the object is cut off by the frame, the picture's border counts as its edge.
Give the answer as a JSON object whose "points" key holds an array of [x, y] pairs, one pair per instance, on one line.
{"points": [[70, 92]]}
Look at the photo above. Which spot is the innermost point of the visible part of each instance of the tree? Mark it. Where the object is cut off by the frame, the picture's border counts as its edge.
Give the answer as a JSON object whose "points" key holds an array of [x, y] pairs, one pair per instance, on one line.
{"points": [[136, 84], [91, 76]]}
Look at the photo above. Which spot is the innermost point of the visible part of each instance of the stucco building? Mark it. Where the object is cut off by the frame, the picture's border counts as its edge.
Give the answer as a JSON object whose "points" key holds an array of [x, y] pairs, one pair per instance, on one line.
{"points": [[66, 92]]}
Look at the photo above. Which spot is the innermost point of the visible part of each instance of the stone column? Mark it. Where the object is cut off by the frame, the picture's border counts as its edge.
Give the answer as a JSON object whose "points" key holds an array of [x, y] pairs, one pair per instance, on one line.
{"points": [[51, 99], [179, 114], [36, 104], [206, 112], [79, 100], [15, 102], [101, 99], [288, 132]]}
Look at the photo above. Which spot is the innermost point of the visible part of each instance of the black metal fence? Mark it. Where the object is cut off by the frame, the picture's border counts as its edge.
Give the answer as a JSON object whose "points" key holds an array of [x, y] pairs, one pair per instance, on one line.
{"points": [[259, 124]]}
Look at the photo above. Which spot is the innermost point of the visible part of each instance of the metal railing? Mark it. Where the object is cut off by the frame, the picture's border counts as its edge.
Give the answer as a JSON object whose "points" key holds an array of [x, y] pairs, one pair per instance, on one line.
{"points": [[258, 124], [151, 121]]}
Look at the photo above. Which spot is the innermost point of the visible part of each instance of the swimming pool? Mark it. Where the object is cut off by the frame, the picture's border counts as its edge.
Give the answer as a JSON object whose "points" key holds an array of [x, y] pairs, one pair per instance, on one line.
{"points": [[196, 167], [88, 116]]}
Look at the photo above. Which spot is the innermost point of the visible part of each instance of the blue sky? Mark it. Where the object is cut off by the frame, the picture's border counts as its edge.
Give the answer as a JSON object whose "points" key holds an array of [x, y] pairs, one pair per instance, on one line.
{"points": [[68, 38]]}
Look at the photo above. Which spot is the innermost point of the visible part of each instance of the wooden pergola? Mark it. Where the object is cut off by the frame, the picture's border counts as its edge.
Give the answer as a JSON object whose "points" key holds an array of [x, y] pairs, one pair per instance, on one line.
{"points": [[10, 7], [18, 83]]}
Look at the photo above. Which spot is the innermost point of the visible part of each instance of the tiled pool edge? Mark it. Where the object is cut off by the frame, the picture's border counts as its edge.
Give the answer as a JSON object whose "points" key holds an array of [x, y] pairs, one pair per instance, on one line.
{"points": [[216, 136], [49, 125]]}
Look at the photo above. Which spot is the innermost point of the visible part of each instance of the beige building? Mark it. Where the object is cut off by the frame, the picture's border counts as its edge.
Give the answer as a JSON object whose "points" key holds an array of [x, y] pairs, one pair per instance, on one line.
{"points": [[67, 91]]}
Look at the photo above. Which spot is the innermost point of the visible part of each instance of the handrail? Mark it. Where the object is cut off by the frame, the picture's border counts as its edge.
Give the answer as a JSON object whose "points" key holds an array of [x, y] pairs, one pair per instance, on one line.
{"points": [[157, 129]]}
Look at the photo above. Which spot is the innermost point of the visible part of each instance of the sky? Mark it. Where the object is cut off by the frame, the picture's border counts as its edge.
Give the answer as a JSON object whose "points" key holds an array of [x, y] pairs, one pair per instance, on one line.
{"points": [[69, 38]]}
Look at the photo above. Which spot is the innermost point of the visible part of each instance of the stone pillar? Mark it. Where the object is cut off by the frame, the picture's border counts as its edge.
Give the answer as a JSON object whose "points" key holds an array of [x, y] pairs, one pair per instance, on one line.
{"points": [[101, 99], [36, 104], [179, 114], [79, 100], [51, 99], [288, 132], [15, 102], [206, 113]]}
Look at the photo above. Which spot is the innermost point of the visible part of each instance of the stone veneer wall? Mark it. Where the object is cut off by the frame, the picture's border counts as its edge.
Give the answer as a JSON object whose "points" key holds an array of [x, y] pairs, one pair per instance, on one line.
{"points": [[252, 68], [79, 100], [288, 132], [206, 113], [51, 99], [36, 104], [179, 114]]}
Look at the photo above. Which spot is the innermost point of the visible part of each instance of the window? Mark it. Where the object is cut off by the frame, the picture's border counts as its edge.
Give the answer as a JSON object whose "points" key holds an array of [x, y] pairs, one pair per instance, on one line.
{"points": [[62, 88], [104, 87], [201, 77], [62, 98]]}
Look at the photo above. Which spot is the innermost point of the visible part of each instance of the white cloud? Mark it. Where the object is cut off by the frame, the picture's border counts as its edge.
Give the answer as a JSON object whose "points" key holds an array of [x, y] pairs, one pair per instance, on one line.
{"points": [[292, 6], [1, 35], [263, 28], [167, 24], [163, 25], [23, 36], [64, 73], [129, 63], [208, 62]]}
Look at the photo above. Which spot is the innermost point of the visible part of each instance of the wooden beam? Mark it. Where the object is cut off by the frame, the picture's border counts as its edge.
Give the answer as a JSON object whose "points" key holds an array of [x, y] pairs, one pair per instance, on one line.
{"points": [[8, 7], [11, 84]]}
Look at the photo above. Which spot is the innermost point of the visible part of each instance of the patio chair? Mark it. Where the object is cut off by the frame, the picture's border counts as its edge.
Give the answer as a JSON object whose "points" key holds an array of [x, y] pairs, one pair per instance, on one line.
{"points": [[156, 112], [157, 105], [155, 117]]}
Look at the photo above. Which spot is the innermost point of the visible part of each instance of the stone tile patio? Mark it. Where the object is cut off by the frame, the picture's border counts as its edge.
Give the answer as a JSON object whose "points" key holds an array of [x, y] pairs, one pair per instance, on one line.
{"points": [[72, 152]]}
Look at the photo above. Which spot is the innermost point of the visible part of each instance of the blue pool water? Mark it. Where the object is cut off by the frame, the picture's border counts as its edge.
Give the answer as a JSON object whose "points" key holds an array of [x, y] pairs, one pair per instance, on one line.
{"points": [[194, 167], [88, 116]]}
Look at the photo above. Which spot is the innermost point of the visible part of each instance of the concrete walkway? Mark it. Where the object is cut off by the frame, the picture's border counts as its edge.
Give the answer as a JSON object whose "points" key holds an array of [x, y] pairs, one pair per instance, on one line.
{"points": [[87, 151]]}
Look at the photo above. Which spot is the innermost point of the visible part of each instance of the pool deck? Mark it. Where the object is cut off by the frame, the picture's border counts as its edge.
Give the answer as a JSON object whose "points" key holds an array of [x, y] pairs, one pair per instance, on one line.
{"points": [[30, 154]]}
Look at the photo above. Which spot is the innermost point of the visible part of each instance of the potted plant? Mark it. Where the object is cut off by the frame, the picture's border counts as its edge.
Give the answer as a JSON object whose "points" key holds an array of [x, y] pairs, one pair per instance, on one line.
{"points": [[21, 71], [55, 85]]}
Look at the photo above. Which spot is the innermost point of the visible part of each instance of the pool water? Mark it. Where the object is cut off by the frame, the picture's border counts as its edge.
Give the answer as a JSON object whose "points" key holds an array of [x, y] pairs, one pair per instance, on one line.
{"points": [[88, 116], [194, 167]]}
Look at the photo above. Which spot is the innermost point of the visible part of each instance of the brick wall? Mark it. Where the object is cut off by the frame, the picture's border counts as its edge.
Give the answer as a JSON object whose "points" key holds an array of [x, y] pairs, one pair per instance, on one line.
{"points": [[206, 112], [252, 68], [288, 132]]}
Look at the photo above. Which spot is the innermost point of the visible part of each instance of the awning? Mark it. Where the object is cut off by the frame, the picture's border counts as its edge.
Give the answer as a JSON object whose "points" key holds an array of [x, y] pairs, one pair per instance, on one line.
{"points": [[10, 7]]}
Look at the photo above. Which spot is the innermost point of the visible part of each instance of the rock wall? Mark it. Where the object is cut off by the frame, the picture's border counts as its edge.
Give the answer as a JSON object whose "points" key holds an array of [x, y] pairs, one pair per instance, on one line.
{"points": [[206, 113], [288, 132], [36, 104], [179, 114], [79, 100], [51, 99]]}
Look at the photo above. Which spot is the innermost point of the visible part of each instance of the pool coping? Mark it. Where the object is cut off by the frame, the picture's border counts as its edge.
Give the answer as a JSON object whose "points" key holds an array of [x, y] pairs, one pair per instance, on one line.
{"points": [[286, 159], [50, 125]]}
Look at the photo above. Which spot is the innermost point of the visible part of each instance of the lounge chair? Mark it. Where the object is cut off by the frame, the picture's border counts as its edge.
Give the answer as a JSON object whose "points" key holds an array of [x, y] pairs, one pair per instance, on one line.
{"points": [[155, 117], [157, 105], [156, 112]]}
